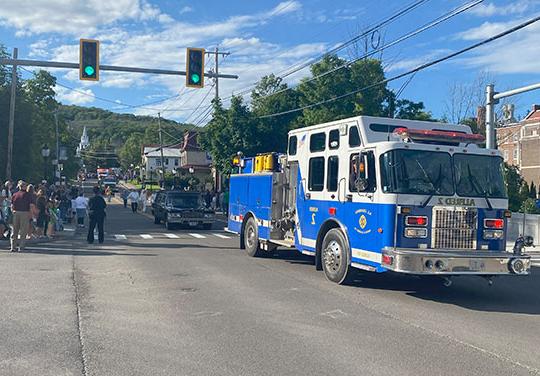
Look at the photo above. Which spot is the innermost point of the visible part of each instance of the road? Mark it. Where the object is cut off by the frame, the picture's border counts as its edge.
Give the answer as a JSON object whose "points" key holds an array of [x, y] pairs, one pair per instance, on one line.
{"points": [[189, 302]]}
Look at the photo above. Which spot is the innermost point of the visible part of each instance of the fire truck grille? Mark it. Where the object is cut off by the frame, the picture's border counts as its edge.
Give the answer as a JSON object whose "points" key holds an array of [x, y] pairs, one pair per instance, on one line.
{"points": [[454, 228]]}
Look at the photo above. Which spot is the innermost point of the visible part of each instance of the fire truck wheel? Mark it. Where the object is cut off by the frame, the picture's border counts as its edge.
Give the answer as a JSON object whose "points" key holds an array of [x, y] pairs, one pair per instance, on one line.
{"points": [[335, 256], [251, 239]]}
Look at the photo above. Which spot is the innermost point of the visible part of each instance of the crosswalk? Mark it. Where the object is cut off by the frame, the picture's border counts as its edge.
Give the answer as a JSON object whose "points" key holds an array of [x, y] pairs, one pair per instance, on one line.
{"points": [[171, 236]]}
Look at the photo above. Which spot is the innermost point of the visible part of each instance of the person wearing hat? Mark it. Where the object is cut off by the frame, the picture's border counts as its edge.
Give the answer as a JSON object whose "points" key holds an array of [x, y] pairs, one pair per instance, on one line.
{"points": [[22, 203]]}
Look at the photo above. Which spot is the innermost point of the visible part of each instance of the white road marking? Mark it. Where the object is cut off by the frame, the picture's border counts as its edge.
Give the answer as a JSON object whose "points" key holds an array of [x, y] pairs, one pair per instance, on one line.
{"points": [[146, 236], [120, 237], [198, 236], [171, 236], [222, 236]]}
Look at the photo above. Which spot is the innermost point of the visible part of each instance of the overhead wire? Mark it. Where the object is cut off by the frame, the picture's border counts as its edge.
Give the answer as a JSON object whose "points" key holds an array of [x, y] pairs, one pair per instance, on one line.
{"points": [[417, 69], [299, 66], [425, 27]]}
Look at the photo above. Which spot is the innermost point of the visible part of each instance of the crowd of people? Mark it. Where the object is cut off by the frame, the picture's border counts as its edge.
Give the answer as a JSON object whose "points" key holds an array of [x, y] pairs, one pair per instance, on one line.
{"points": [[30, 211]]}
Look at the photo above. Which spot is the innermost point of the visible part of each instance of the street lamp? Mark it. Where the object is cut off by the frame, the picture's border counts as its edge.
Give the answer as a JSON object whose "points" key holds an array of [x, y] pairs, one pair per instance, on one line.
{"points": [[45, 152]]}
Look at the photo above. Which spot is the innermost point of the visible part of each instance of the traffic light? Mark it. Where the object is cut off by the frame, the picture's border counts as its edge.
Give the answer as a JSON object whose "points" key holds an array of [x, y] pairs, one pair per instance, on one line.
{"points": [[89, 60], [195, 67]]}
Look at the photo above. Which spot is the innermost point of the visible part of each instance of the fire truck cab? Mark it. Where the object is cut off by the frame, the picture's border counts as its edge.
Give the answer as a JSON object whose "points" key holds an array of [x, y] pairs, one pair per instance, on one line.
{"points": [[380, 195]]}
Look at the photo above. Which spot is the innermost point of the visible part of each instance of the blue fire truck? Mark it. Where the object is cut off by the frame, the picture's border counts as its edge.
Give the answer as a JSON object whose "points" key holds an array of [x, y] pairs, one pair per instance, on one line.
{"points": [[380, 195]]}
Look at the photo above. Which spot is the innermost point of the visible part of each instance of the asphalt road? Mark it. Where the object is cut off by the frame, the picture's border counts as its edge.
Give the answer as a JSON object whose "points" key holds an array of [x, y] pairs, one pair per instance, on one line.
{"points": [[189, 302]]}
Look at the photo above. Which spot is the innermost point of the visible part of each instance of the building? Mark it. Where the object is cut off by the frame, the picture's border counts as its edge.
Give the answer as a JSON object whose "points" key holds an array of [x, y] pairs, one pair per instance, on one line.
{"points": [[83, 143], [520, 144], [186, 157]]}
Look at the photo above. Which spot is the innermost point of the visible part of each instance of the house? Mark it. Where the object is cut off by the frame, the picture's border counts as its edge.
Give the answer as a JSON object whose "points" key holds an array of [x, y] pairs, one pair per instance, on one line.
{"points": [[520, 144], [184, 158]]}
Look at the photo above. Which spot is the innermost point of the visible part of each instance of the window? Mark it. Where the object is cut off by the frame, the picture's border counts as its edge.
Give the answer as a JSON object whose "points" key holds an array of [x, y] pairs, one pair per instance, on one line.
{"points": [[362, 166], [317, 142], [158, 162], [354, 137], [293, 143], [505, 155], [333, 139], [166, 161], [316, 174], [385, 128], [515, 155], [332, 178], [176, 161], [516, 136]]}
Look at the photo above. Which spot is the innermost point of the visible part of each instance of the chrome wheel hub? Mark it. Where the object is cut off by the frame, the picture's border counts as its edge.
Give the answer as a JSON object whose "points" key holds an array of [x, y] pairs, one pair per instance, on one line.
{"points": [[250, 239], [332, 256]]}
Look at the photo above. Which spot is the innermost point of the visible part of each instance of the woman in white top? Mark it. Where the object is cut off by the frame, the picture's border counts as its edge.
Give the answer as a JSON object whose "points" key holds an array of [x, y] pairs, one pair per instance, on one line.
{"points": [[81, 204]]}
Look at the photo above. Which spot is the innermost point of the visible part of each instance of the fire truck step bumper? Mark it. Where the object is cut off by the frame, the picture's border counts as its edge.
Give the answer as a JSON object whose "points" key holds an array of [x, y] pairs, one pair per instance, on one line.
{"points": [[439, 262]]}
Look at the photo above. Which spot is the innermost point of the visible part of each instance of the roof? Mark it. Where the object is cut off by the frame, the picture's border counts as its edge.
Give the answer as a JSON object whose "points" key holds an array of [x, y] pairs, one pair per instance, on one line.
{"points": [[154, 152]]}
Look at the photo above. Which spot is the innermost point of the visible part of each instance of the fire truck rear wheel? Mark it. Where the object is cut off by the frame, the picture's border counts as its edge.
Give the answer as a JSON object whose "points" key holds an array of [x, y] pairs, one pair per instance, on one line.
{"points": [[251, 239], [335, 256]]}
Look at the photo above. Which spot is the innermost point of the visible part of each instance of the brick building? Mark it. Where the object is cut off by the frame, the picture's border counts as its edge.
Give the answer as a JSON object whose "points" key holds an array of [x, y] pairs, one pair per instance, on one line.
{"points": [[520, 144]]}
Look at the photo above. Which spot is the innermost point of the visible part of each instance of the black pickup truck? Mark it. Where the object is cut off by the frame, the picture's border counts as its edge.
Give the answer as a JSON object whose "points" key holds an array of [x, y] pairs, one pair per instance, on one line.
{"points": [[177, 208]]}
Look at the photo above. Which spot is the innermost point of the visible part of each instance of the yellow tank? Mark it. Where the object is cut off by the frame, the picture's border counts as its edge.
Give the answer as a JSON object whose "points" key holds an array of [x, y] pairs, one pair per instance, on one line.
{"points": [[269, 162], [259, 163]]}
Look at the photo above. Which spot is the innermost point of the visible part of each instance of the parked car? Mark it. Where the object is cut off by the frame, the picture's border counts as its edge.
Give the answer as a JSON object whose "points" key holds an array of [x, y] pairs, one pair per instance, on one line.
{"points": [[182, 208]]}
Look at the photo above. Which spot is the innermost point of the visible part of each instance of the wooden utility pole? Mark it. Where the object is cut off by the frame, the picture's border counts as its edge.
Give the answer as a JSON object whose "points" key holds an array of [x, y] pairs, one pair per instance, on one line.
{"points": [[11, 125]]}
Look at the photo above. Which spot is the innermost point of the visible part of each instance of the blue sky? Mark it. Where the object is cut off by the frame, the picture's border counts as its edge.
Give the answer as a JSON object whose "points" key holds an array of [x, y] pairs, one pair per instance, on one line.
{"points": [[270, 36]]}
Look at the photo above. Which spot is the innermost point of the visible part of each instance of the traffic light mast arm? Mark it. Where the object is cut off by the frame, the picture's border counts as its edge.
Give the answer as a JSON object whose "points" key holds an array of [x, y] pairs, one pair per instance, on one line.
{"points": [[112, 68]]}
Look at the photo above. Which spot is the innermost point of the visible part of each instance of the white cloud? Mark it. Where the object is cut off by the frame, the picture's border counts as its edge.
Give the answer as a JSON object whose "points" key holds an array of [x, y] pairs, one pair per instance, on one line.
{"points": [[486, 30], [186, 9], [490, 9], [516, 53], [81, 17], [285, 7], [81, 96]]}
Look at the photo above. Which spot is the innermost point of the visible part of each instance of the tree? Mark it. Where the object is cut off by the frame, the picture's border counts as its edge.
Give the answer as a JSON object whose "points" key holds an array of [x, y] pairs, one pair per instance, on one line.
{"points": [[130, 152], [271, 96], [230, 130], [514, 182], [406, 109], [358, 75], [532, 191]]}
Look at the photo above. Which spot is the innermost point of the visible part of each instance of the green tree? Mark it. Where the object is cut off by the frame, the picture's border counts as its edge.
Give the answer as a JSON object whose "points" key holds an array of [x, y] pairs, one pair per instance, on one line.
{"points": [[406, 109], [130, 152], [514, 182], [271, 96], [532, 191]]}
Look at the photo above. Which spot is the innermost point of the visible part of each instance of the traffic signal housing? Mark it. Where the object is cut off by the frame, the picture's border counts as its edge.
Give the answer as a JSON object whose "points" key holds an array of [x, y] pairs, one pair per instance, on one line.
{"points": [[195, 67], [89, 60]]}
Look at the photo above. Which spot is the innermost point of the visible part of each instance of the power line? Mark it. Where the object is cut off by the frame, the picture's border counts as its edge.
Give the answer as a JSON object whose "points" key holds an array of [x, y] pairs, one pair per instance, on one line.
{"points": [[409, 35], [385, 22], [417, 69]]}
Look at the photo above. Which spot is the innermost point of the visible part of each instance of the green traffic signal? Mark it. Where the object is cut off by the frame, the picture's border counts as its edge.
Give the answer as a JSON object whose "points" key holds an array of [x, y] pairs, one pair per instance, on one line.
{"points": [[89, 70], [195, 78]]}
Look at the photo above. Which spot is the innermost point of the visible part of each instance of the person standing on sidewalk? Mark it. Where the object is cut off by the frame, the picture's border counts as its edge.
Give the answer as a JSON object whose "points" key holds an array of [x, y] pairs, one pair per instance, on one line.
{"points": [[96, 212], [21, 205], [134, 199], [81, 204]]}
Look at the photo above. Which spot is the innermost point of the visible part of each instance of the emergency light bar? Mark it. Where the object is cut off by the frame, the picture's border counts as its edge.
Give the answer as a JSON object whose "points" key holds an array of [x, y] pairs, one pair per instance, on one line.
{"points": [[430, 135]]}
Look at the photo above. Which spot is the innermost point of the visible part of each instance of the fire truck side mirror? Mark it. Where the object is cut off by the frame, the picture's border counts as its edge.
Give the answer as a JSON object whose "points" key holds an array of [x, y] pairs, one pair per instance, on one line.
{"points": [[529, 241], [361, 184]]}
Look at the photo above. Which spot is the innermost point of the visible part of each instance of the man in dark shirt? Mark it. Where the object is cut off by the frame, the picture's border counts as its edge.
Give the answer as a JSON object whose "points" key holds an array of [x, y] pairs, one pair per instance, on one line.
{"points": [[21, 204], [96, 212]]}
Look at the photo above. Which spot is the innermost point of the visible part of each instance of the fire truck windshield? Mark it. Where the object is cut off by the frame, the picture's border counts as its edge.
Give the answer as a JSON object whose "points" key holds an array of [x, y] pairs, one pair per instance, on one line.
{"points": [[439, 173], [417, 172], [479, 176]]}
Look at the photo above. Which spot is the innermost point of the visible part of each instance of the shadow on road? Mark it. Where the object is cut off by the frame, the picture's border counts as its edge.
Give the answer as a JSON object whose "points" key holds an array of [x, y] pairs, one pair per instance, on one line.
{"points": [[88, 252], [508, 294]]}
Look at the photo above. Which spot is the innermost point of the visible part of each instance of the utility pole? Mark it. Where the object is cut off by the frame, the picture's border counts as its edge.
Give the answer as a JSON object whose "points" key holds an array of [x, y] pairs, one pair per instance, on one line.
{"points": [[161, 148], [216, 54], [492, 98], [11, 126], [57, 172]]}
